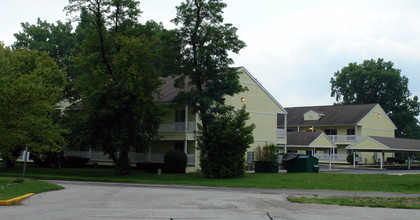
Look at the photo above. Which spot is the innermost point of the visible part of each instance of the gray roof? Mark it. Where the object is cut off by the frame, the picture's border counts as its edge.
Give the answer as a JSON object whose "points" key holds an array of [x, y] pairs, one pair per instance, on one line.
{"points": [[168, 91], [333, 115], [399, 144], [302, 138]]}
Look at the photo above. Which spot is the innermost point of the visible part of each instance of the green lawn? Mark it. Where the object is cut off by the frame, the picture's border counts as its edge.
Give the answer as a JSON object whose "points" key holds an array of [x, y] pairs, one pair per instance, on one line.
{"points": [[405, 203], [10, 189], [333, 181]]}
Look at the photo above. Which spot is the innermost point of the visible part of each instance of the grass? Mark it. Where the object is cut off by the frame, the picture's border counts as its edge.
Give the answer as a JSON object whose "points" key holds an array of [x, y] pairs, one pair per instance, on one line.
{"points": [[331, 181], [10, 188], [405, 203]]}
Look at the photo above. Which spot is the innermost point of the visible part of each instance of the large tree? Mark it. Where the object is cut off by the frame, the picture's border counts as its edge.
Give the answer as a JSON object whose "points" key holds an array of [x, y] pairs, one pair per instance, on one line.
{"points": [[30, 86], [205, 42], [118, 79], [378, 82]]}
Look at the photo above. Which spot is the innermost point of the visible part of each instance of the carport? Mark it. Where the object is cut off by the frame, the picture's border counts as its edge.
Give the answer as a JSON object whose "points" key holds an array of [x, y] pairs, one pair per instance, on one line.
{"points": [[310, 141], [383, 145]]}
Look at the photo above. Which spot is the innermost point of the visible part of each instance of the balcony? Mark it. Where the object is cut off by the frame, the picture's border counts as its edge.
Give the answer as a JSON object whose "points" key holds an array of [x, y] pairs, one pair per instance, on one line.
{"points": [[177, 127], [281, 133], [344, 138]]}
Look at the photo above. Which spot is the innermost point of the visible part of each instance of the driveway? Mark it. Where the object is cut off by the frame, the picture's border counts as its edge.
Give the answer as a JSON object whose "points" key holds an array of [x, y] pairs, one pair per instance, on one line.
{"points": [[88, 200]]}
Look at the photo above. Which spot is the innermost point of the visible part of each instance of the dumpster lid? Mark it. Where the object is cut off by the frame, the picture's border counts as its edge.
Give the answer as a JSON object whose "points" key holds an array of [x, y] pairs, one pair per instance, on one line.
{"points": [[290, 157]]}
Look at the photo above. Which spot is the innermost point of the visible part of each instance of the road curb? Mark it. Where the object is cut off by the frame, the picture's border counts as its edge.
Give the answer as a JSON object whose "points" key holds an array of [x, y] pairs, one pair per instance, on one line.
{"points": [[15, 200]]}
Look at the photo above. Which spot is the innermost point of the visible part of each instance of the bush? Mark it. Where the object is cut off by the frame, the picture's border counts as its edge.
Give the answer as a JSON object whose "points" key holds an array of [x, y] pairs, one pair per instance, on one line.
{"points": [[76, 161], [350, 158], [224, 144], [48, 158], [175, 162], [150, 167], [266, 153]]}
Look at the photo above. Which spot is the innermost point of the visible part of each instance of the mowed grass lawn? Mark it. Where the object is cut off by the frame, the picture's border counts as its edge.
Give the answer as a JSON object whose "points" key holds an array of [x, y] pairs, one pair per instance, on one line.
{"points": [[331, 181], [9, 188]]}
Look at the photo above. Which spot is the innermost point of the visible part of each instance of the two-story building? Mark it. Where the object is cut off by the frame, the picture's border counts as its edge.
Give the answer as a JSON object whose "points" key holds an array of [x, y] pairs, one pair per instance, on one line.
{"points": [[343, 124], [179, 126]]}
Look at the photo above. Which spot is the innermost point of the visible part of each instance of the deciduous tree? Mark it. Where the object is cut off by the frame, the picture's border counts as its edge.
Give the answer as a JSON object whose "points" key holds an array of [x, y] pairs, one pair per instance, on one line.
{"points": [[205, 42], [30, 86], [118, 81], [378, 82]]}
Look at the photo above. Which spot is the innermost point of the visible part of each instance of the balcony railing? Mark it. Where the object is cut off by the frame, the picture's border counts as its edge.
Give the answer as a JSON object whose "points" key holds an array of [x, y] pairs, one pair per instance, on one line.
{"points": [[97, 156], [344, 138], [281, 133], [334, 157], [177, 127]]}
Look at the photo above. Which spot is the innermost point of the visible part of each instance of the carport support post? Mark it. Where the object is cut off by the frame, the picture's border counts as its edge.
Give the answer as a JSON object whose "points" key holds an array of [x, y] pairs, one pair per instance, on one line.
{"points": [[409, 167], [354, 158], [382, 160], [329, 158]]}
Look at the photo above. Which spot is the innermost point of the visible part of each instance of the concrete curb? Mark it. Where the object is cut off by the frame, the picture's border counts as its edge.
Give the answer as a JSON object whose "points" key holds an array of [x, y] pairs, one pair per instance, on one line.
{"points": [[15, 200]]}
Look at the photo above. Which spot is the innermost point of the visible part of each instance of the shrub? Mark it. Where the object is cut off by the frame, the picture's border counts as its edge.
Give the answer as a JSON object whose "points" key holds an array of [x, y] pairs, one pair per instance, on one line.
{"points": [[76, 161], [150, 167], [175, 161], [18, 180], [223, 146], [266, 153], [350, 158], [47, 158]]}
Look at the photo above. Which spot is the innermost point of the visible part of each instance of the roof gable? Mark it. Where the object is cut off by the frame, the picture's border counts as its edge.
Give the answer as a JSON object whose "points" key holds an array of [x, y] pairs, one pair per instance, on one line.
{"points": [[333, 115], [309, 139], [244, 70]]}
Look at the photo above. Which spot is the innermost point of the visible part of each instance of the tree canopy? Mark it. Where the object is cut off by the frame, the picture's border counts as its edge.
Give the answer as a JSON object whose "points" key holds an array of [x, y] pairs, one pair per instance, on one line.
{"points": [[30, 86], [118, 78], [378, 82], [205, 42]]}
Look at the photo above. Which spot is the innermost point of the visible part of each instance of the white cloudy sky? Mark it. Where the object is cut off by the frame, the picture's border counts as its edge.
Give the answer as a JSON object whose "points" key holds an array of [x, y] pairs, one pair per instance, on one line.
{"points": [[293, 47]]}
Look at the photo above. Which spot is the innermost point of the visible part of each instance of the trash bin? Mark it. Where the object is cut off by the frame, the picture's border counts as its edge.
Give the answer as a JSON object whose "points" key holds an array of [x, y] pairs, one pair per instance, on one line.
{"points": [[266, 167], [301, 164]]}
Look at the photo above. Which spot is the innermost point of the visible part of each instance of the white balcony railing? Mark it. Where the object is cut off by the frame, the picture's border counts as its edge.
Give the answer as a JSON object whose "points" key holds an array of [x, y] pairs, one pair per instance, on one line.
{"points": [[281, 133], [344, 138], [334, 157], [176, 127], [97, 156]]}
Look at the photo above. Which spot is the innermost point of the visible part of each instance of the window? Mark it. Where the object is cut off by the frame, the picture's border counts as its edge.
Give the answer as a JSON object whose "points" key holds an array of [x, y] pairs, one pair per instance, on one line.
{"points": [[330, 131], [351, 131], [180, 115]]}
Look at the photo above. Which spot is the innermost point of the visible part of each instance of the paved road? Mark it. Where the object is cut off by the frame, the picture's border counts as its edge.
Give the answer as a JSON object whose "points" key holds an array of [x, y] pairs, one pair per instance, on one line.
{"points": [[87, 200]]}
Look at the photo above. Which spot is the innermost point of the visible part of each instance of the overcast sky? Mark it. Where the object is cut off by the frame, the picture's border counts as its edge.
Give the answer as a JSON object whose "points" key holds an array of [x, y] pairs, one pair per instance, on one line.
{"points": [[293, 47]]}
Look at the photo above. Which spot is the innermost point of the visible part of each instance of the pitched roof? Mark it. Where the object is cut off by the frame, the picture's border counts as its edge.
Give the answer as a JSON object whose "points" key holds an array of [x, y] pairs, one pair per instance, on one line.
{"points": [[304, 138], [343, 115], [399, 144], [301, 138], [168, 91]]}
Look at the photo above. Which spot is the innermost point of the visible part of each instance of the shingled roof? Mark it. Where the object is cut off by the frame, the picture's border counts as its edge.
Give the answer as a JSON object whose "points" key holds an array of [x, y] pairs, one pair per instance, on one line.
{"points": [[392, 144], [302, 139], [168, 91], [333, 115]]}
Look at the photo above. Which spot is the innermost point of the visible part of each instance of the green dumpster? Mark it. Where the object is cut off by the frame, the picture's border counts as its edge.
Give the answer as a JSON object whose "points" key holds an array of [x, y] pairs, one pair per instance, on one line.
{"points": [[301, 164], [266, 167]]}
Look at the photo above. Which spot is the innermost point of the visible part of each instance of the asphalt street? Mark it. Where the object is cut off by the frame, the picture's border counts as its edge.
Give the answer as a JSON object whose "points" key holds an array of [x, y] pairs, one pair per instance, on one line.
{"points": [[91, 200]]}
